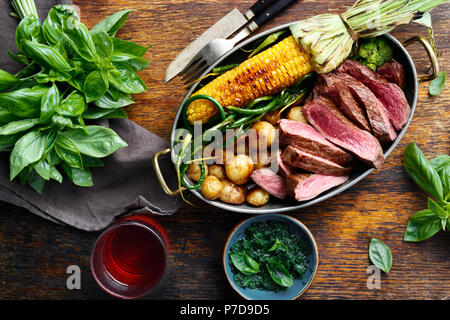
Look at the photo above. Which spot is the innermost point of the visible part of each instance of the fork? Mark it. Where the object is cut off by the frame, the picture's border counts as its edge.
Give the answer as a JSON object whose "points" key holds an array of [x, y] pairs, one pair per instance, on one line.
{"points": [[218, 47]]}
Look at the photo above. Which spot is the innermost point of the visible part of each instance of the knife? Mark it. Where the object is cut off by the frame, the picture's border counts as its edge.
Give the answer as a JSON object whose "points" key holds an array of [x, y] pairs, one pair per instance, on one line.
{"points": [[225, 27]]}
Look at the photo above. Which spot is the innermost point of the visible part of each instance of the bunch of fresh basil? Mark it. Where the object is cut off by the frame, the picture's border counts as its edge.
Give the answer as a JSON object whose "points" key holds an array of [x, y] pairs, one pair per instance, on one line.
{"points": [[71, 74], [433, 177]]}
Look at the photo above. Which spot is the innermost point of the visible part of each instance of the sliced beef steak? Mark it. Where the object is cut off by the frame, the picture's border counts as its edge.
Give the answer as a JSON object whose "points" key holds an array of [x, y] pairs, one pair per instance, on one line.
{"points": [[284, 168], [270, 181], [390, 94], [304, 186], [334, 126], [335, 89], [393, 71], [308, 162], [306, 138], [378, 118]]}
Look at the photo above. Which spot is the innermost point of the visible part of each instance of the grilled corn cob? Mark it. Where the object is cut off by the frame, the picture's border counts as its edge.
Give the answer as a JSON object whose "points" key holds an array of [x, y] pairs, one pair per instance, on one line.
{"points": [[264, 74]]}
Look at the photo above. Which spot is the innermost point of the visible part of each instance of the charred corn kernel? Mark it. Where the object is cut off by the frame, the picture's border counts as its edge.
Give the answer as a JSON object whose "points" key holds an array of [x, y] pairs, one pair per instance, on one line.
{"points": [[264, 74]]}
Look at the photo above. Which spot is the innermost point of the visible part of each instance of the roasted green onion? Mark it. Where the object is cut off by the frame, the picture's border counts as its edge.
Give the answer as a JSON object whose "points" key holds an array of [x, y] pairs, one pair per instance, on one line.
{"points": [[267, 42]]}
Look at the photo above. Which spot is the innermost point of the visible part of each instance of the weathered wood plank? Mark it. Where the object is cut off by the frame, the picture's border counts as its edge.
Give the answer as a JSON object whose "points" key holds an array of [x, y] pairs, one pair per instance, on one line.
{"points": [[34, 253]]}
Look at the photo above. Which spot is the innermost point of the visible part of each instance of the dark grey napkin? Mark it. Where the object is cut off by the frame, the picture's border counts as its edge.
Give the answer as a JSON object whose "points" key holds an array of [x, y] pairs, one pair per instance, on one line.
{"points": [[126, 183]]}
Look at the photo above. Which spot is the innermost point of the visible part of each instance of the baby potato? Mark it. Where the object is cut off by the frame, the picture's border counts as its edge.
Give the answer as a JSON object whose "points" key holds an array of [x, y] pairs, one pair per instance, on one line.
{"points": [[272, 117], [262, 160], [258, 197], [265, 132], [232, 194], [194, 171], [217, 171], [239, 169], [295, 113], [211, 187], [222, 156]]}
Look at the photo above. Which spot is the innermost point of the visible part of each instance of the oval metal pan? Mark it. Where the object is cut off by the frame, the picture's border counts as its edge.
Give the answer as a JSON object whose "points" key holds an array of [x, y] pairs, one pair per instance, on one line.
{"points": [[359, 173]]}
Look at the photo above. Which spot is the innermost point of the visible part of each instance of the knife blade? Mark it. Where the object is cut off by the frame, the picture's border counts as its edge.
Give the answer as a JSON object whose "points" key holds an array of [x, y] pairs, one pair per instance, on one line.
{"points": [[223, 28]]}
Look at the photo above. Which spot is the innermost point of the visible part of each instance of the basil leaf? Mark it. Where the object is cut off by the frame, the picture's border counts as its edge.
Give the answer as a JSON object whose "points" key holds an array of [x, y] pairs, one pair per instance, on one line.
{"points": [[112, 23], [18, 126], [123, 46], [100, 142], [46, 56], [68, 152], [49, 103], [53, 158], [73, 105], [55, 174], [107, 102], [126, 81], [133, 64], [438, 84], [20, 58], [92, 162], [36, 182], [103, 44], [7, 117], [27, 150], [422, 172], [60, 121], [116, 114], [278, 245], [52, 76], [116, 94], [244, 263], [95, 86], [43, 169], [7, 142], [279, 274], [380, 255], [440, 162], [25, 103], [445, 178], [77, 81], [437, 209], [53, 24], [97, 113], [7, 80], [29, 29], [82, 178], [79, 38], [24, 174], [422, 225]]}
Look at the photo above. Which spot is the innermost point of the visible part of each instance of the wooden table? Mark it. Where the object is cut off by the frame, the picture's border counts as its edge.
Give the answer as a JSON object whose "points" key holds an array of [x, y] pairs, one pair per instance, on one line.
{"points": [[35, 253]]}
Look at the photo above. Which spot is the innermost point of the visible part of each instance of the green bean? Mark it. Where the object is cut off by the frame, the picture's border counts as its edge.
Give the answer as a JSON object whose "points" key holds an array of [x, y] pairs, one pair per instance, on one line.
{"points": [[267, 42], [237, 123], [255, 111], [304, 78], [199, 183], [258, 100], [221, 70]]}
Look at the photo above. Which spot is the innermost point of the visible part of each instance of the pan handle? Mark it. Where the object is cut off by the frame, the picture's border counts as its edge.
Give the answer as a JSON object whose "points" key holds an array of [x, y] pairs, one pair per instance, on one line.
{"points": [[159, 175], [431, 55]]}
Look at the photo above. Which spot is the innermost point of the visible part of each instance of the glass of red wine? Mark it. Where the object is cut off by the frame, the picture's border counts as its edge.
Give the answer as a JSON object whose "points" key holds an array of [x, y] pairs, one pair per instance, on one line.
{"points": [[129, 259]]}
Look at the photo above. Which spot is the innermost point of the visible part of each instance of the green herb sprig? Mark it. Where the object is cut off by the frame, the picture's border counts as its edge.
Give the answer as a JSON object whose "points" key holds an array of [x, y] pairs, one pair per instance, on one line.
{"points": [[269, 257], [380, 255], [71, 75], [433, 177]]}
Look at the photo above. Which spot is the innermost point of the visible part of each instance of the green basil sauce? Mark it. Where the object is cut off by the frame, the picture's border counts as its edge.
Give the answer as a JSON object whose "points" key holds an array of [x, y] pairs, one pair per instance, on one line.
{"points": [[268, 257]]}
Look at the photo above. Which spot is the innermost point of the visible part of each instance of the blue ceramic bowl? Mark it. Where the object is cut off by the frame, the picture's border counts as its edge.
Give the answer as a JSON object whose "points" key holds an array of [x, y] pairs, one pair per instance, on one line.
{"points": [[300, 286]]}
